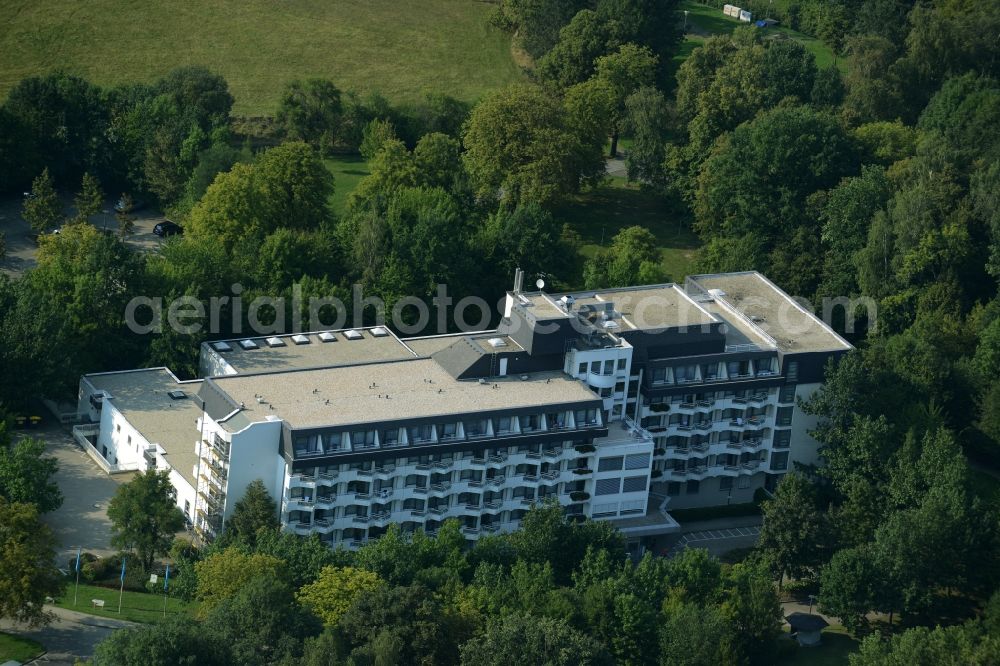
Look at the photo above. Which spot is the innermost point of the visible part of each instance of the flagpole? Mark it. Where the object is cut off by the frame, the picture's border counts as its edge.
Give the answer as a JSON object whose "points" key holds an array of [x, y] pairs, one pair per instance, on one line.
{"points": [[76, 592], [166, 582], [121, 592]]}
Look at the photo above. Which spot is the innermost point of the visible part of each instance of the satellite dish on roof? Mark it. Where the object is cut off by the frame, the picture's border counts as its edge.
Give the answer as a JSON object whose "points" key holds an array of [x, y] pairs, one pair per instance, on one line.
{"points": [[540, 283]]}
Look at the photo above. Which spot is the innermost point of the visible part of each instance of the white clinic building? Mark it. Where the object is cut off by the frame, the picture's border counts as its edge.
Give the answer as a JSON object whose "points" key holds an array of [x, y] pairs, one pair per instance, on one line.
{"points": [[621, 404]]}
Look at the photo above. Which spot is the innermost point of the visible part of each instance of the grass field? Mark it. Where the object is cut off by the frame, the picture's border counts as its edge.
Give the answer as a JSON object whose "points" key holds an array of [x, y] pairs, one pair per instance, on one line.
{"points": [[598, 214], [703, 21], [347, 171], [397, 48], [136, 606], [15, 648]]}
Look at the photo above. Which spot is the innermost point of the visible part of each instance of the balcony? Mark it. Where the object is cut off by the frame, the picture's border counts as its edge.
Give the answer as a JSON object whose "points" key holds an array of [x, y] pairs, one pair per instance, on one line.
{"points": [[302, 529], [301, 481], [493, 505], [496, 481], [326, 502], [382, 493], [601, 380], [327, 478], [551, 475], [299, 504]]}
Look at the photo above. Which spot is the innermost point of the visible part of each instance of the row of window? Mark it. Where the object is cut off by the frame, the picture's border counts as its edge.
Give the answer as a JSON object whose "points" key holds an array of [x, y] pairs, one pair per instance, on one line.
{"points": [[721, 460], [359, 440], [615, 485], [607, 367], [629, 462], [709, 372], [693, 487]]}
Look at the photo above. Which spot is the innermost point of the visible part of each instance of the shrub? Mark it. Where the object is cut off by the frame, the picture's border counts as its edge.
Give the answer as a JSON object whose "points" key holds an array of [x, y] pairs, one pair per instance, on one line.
{"points": [[101, 569], [84, 559]]}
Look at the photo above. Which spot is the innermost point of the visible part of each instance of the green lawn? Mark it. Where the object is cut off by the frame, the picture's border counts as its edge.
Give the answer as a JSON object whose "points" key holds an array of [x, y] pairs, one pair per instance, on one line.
{"points": [[398, 48], [15, 648], [704, 20], [136, 606], [347, 171], [598, 214], [835, 650]]}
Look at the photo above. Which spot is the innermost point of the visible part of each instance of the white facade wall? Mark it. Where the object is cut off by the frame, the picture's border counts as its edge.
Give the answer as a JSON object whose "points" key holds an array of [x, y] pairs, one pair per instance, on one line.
{"points": [[118, 441], [804, 449], [254, 455], [212, 364]]}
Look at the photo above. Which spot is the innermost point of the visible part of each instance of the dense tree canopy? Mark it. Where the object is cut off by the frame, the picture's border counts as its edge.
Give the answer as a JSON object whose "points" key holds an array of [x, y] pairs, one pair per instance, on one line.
{"points": [[144, 516]]}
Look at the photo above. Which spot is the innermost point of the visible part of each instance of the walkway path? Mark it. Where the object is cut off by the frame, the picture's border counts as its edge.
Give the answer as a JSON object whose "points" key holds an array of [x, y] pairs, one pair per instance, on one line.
{"points": [[70, 637]]}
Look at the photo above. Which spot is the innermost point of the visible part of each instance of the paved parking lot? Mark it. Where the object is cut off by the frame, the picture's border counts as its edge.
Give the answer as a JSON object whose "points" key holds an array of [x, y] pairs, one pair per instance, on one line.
{"points": [[22, 248], [82, 519]]}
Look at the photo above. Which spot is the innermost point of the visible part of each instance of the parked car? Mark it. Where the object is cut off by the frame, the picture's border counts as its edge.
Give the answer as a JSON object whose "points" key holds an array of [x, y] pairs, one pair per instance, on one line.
{"points": [[167, 228]]}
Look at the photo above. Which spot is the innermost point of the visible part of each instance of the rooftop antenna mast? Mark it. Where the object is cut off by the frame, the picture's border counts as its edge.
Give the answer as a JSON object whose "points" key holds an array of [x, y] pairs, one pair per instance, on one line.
{"points": [[518, 280]]}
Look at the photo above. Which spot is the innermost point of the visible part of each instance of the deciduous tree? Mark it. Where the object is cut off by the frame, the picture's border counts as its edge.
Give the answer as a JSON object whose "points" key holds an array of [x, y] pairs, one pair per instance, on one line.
{"points": [[523, 639], [222, 575], [330, 595], [26, 474], [792, 537], [310, 111], [28, 574], [521, 149], [144, 516], [42, 208]]}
